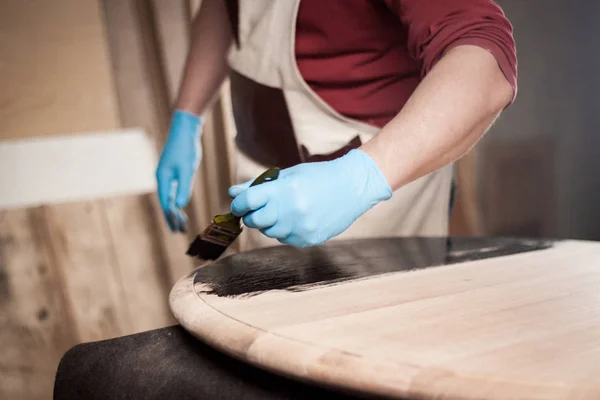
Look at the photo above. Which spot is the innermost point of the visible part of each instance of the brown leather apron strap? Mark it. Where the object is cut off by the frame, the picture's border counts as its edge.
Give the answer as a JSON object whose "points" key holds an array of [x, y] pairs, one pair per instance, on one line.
{"points": [[233, 9], [263, 123], [305, 156], [264, 127]]}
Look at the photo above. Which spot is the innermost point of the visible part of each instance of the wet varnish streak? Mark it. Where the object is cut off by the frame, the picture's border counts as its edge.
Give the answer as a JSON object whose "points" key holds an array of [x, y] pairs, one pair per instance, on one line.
{"points": [[287, 268]]}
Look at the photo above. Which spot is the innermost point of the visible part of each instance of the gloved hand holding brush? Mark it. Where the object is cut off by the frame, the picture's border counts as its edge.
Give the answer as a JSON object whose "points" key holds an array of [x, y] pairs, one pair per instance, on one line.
{"points": [[311, 203]]}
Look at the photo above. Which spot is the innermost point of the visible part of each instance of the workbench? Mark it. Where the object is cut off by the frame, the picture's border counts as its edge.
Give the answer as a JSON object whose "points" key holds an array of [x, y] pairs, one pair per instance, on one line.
{"points": [[410, 318]]}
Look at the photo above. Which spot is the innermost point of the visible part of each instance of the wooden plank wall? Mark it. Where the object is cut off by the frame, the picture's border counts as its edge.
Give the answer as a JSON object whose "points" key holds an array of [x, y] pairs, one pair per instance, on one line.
{"points": [[74, 272], [519, 191], [95, 269], [144, 101], [466, 218], [50, 50]]}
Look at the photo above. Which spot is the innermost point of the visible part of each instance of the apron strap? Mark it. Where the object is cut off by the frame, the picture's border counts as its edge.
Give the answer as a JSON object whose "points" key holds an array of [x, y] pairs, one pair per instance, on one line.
{"points": [[305, 155], [233, 9], [264, 128]]}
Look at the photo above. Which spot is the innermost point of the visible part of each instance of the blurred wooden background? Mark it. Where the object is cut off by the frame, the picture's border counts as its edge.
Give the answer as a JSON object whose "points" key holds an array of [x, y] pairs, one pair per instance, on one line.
{"points": [[94, 268], [91, 269]]}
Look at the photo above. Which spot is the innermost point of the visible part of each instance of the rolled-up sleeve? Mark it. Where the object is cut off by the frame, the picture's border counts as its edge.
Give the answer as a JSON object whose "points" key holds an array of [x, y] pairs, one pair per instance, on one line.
{"points": [[436, 26]]}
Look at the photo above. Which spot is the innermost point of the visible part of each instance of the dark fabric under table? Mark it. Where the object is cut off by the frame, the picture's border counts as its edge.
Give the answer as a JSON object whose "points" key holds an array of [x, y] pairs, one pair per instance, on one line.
{"points": [[168, 363]]}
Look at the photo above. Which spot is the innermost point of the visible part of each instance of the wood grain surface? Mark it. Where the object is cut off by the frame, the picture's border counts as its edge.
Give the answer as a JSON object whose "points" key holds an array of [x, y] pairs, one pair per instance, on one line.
{"points": [[458, 324], [72, 273], [36, 327], [55, 71]]}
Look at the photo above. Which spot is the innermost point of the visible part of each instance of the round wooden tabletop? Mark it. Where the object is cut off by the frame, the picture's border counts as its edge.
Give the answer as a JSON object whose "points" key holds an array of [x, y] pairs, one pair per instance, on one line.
{"points": [[460, 318]]}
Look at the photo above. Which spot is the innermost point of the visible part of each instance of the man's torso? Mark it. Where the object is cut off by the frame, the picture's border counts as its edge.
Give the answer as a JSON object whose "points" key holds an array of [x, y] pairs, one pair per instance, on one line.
{"points": [[354, 55]]}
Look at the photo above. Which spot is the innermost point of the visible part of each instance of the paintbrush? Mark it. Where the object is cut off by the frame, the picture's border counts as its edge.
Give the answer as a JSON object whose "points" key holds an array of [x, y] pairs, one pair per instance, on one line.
{"points": [[224, 229]]}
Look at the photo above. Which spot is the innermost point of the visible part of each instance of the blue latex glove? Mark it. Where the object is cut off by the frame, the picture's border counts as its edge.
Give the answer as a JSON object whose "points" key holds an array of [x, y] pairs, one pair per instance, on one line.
{"points": [[311, 203], [178, 163]]}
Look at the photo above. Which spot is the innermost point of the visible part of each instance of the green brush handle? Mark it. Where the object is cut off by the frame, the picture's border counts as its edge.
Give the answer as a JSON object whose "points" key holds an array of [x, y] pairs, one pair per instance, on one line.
{"points": [[230, 221]]}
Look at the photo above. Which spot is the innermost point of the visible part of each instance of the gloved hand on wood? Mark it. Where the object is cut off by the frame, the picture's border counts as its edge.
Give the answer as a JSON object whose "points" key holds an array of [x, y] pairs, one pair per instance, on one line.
{"points": [[311, 203]]}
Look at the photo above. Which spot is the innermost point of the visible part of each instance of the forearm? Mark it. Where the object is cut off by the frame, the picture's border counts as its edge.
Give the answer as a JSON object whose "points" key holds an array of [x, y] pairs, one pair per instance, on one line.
{"points": [[448, 113], [206, 64]]}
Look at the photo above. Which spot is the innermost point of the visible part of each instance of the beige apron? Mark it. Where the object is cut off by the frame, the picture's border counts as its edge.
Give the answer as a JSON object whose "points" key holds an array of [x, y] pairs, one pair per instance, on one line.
{"points": [[266, 55]]}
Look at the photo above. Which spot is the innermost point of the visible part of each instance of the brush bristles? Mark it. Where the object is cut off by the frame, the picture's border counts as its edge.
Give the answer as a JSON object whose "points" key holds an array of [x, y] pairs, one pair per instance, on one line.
{"points": [[205, 250], [212, 243]]}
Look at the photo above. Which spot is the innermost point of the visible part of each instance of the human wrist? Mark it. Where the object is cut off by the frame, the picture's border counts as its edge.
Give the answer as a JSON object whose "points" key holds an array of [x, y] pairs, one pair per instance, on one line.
{"points": [[186, 122], [368, 177]]}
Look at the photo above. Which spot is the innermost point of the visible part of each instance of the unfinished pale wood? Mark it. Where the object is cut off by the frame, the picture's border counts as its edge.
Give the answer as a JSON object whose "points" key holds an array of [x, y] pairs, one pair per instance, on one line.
{"points": [[86, 166], [466, 218], [140, 262], [55, 74], [514, 202], [79, 236], [215, 165], [36, 327], [524, 326], [71, 273], [172, 25]]}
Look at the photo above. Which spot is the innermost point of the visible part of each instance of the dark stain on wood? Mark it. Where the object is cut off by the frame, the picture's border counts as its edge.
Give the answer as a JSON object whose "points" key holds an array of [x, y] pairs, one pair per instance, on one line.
{"points": [[43, 233], [42, 269], [42, 314], [292, 269], [5, 292]]}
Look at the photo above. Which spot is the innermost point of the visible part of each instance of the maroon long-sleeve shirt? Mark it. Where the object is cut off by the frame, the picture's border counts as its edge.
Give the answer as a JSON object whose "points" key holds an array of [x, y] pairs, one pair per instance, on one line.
{"points": [[366, 57]]}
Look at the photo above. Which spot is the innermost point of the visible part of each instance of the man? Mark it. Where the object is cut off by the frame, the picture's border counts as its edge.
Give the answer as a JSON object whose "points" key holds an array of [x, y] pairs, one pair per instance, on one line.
{"points": [[365, 104]]}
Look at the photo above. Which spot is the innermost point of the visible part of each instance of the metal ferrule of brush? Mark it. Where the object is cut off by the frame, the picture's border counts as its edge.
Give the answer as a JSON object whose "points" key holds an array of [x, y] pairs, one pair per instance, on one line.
{"points": [[220, 234]]}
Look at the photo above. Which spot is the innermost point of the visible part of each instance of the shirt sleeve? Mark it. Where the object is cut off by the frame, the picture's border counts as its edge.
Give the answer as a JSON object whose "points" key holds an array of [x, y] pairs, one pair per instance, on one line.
{"points": [[436, 26]]}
